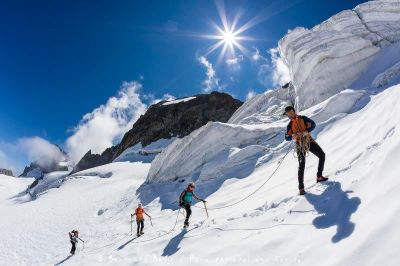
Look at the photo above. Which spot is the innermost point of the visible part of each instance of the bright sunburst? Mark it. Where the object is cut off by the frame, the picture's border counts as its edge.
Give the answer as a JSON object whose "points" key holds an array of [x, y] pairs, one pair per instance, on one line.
{"points": [[228, 35]]}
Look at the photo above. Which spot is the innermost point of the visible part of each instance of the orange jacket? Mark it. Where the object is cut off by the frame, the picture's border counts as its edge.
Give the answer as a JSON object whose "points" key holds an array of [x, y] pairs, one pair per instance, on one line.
{"points": [[299, 124], [139, 214]]}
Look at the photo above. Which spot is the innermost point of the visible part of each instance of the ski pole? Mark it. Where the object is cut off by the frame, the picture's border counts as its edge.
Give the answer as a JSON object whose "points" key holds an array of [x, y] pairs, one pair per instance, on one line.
{"points": [[205, 207], [83, 243], [131, 224], [151, 221]]}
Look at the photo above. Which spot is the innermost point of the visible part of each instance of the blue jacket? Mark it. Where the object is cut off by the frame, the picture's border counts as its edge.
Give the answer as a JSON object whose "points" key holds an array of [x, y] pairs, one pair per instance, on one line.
{"points": [[306, 120]]}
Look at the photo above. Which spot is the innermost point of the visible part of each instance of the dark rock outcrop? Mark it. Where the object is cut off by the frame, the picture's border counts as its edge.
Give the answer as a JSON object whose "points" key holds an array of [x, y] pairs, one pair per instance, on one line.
{"points": [[165, 120]]}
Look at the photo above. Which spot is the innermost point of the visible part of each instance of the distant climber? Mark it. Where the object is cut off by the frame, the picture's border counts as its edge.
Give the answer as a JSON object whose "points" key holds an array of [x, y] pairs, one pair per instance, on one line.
{"points": [[140, 219], [74, 237], [185, 201], [299, 129]]}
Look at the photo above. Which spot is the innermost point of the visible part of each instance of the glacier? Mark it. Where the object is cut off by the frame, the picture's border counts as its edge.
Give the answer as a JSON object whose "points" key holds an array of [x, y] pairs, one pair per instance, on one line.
{"points": [[350, 220]]}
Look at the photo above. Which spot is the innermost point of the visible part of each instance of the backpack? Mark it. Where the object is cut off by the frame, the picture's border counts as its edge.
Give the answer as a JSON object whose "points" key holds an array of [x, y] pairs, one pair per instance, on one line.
{"points": [[187, 197]]}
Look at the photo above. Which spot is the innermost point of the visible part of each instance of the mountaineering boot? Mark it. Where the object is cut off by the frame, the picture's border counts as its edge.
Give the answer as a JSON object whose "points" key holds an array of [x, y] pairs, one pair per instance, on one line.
{"points": [[302, 191], [137, 234], [186, 224], [141, 232], [321, 179]]}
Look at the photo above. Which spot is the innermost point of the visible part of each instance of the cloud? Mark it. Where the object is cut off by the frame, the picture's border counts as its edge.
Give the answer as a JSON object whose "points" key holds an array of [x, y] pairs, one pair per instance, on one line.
{"points": [[211, 82], [256, 56], [250, 94], [234, 62], [264, 74], [41, 151], [271, 71], [281, 73], [105, 125], [16, 155], [166, 97]]}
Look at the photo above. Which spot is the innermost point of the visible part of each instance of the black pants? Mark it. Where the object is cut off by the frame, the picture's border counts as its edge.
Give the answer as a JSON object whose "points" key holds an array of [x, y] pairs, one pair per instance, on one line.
{"points": [[140, 226], [317, 151], [73, 248], [188, 211]]}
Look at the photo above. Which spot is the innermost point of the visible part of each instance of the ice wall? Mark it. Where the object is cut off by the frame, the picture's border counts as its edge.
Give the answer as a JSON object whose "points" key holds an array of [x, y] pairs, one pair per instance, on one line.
{"points": [[331, 56]]}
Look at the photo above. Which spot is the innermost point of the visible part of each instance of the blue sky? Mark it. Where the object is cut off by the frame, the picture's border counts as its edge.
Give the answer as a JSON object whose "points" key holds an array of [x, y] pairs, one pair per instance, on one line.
{"points": [[60, 60]]}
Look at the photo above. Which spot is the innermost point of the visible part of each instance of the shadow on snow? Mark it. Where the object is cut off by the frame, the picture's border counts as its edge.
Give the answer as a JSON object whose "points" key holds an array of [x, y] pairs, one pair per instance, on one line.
{"points": [[64, 260], [173, 245], [335, 208]]}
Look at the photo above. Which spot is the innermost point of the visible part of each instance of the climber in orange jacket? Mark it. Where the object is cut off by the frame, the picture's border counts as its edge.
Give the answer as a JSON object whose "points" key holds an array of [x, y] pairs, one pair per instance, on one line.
{"points": [[298, 130], [140, 219]]}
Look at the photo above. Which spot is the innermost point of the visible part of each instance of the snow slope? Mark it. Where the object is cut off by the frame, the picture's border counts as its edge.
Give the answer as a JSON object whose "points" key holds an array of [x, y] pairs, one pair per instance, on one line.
{"points": [[349, 215], [179, 100]]}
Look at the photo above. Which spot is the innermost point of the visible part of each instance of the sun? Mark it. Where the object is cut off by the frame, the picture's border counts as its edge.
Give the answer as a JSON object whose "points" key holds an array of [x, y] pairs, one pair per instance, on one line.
{"points": [[227, 35]]}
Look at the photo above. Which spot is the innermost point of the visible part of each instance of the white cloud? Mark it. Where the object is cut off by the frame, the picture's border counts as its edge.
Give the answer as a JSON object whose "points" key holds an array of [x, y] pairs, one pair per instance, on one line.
{"points": [[166, 97], [151, 99], [15, 156], [211, 82], [280, 74], [271, 71], [106, 124], [41, 151], [234, 62], [264, 74], [250, 94], [256, 56]]}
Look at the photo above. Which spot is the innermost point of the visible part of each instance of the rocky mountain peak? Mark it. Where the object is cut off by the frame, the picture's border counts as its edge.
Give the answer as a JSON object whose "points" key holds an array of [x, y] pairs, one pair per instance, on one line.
{"points": [[166, 119]]}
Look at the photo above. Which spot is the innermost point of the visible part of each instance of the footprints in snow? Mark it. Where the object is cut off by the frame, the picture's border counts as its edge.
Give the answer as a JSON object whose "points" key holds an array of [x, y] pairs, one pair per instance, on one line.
{"points": [[286, 206]]}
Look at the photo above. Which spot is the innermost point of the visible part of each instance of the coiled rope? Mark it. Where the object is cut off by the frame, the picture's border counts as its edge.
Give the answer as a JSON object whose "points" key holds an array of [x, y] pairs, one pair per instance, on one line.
{"points": [[303, 142]]}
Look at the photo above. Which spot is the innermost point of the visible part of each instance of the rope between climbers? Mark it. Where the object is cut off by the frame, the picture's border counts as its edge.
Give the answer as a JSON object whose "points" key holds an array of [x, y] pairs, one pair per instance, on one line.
{"points": [[167, 233], [255, 191]]}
